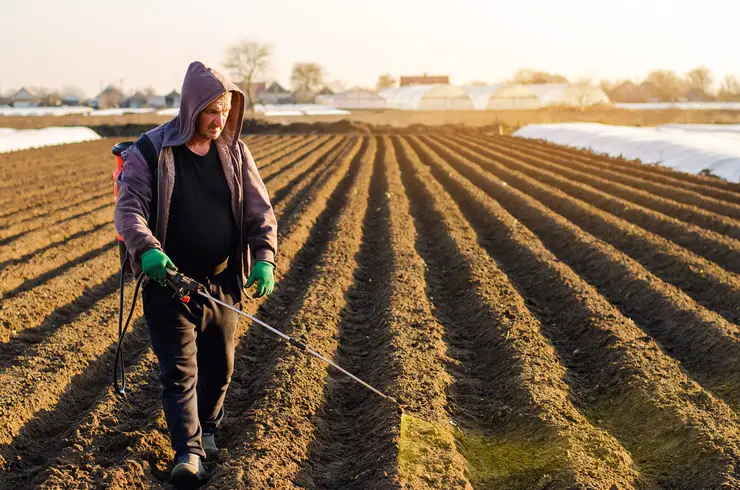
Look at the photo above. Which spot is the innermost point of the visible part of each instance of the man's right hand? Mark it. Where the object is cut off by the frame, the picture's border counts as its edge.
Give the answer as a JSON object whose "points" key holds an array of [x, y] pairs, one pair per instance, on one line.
{"points": [[155, 263]]}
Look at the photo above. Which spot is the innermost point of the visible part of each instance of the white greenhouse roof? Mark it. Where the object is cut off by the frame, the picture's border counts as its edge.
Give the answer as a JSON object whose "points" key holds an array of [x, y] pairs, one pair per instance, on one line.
{"points": [[22, 139], [686, 151], [495, 96], [282, 110], [481, 94], [433, 96], [353, 99]]}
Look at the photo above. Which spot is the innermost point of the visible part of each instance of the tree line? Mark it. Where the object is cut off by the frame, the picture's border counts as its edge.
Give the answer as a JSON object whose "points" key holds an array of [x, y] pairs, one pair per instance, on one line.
{"points": [[248, 62], [698, 84]]}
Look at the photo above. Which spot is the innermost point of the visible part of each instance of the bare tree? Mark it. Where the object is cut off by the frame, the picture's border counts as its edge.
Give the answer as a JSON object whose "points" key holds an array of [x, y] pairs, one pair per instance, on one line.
{"points": [[528, 76], [248, 61], [148, 92], [385, 81], [700, 80], [729, 90], [669, 85], [307, 77]]}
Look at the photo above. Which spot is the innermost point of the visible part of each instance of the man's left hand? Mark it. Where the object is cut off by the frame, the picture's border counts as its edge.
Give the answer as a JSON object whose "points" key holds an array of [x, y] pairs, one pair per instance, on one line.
{"points": [[262, 272]]}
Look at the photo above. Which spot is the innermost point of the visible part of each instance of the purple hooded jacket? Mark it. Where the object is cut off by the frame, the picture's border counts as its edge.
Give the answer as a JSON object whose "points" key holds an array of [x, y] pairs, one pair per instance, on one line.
{"points": [[250, 202]]}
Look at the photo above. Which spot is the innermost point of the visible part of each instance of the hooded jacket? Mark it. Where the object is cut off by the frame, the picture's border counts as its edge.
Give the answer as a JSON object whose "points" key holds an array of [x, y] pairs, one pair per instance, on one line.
{"points": [[250, 202]]}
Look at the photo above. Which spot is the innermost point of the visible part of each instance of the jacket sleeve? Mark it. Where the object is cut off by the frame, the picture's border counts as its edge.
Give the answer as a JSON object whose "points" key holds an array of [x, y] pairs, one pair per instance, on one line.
{"points": [[260, 225], [133, 204]]}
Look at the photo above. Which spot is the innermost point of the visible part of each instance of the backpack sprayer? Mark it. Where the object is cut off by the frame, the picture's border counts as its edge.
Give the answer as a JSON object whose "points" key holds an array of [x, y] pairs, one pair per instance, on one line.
{"points": [[185, 288]]}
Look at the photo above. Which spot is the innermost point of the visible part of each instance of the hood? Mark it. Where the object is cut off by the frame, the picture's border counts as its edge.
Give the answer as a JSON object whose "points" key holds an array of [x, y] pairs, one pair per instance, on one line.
{"points": [[201, 86]]}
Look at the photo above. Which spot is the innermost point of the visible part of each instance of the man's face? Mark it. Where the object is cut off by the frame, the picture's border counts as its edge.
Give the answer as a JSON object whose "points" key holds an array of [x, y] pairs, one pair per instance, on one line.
{"points": [[212, 119]]}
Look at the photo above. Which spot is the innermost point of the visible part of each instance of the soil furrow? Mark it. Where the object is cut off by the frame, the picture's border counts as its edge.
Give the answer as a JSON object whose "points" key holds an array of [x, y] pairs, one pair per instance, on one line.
{"points": [[640, 206], [717, 247], [680, 435], [292, 146], [293, 194], [290, 161], [86, 384], [282, 416], [509, 398], [89, 194], [61, 269], [77, 270], [706, 344], [41, 376], [356, 440], [152, 448], [21, 203], [537, 308], [587, 171], [35, 240], [29, 309], [14, 269], [63, 217], [52, 161], [704, 281], [307, 164]]}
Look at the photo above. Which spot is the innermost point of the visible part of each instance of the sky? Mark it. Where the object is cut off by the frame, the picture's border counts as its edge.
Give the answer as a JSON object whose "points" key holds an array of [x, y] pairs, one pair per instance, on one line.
{"points": [[140, 43]]}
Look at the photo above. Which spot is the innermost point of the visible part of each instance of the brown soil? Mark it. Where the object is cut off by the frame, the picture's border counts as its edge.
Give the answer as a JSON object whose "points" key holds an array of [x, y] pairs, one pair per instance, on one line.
{"points": [[562, 320]]}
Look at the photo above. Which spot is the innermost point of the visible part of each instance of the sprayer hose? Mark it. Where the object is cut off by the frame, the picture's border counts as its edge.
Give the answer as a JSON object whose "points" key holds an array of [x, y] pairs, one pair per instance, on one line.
{"points": [[119, 373]]}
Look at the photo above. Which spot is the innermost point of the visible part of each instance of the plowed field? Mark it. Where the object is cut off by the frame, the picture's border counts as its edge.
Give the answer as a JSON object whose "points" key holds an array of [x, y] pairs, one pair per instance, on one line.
{"points": [[565, 320]]}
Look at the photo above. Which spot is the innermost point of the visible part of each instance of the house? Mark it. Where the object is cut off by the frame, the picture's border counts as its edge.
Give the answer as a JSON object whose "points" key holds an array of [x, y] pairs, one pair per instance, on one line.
{"points": [[424, 79], [27, 97], [157, 101], [5, 101], [108, 98], [136, 101], [255, 89], [326, 91], [172, 99], [275, 94]]}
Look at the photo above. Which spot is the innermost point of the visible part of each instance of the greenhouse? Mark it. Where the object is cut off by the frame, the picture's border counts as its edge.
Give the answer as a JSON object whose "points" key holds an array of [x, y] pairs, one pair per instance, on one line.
{"points": [[685, 150], [353, 99], [427, 98], [502, 97]]}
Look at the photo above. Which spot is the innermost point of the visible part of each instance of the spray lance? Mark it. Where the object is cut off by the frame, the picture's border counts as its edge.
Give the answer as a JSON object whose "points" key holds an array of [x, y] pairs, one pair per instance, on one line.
{"points": [[186, 288]]}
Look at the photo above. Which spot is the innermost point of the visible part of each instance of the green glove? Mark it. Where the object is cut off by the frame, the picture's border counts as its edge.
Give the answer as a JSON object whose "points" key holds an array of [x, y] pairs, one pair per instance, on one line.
{"points": [[262, 272], [155, 263]]}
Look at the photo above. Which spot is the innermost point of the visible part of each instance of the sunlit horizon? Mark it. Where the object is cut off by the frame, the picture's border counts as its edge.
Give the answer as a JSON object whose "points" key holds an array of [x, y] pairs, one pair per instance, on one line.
{"points": [[90, 45]]}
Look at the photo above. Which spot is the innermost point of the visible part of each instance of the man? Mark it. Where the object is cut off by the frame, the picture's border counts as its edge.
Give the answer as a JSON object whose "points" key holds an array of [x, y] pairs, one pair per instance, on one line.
{"points": [[211, 212]]}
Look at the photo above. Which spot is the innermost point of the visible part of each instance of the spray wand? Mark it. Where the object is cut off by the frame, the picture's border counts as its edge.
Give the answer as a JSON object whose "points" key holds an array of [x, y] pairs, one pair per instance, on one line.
{"points": [[186, 287]]}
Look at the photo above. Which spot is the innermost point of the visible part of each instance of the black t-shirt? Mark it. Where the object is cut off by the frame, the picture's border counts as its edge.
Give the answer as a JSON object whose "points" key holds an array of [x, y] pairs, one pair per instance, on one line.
{"points": [[201, 231]]}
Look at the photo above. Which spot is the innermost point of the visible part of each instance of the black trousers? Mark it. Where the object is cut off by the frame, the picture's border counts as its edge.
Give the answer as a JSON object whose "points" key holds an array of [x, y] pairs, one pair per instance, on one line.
{"points": [[194, 345]]}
